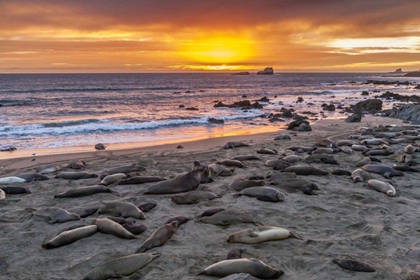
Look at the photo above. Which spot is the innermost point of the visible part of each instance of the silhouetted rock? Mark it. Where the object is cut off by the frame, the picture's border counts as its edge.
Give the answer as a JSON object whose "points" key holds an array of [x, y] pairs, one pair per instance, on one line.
{"points": [[370, 105], [191, 109], [100, 146], [241, 73], [405, 98], [330, 107], [300, 99], [216, 121], [299, 124], [7, 148], [244, 104], [264, 99], [413, 74], [266, 71], [416, 87], [354, 118], [409, 112], [365, 93]]}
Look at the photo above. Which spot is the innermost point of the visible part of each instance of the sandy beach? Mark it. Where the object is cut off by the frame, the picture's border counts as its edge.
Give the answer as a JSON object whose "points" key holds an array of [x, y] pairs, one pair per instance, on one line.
{"points": [[345, 219]]}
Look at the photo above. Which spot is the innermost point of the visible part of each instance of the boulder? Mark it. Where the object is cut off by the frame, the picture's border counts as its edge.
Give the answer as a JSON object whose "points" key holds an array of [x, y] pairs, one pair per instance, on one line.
{"points": [[365, 93], [216, 121], [330, 107], [100, 146], [370, 105], [241, 73], [413, 74], [191, 109], [354, 118], [409, 112], [266, 71], [299, 124]]}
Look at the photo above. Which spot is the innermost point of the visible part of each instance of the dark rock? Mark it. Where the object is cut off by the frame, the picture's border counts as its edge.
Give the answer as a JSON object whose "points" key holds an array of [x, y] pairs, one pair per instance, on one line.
{"points": [[416, 87], [282, 137], [191, 109], [244, 104], [241, 73], [266, 71], [216, 121], [413, 74], [181, 106], [354, 118], [180, 147], [300, 100], [299, 124], [404, 98], [365, 93], [7, 148], [409, 112], [264, 99], [370, 105], [244, 96], [330, 107], [100, 146]]}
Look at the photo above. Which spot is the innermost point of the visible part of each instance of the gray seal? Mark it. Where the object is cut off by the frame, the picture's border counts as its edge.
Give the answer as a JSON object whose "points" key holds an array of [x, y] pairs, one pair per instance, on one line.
{"points": [[123, 266], [159, 237], [121, 209], [86, 191], [137, 180], [231, 162], [261, 234], [125, 169], [30, 177], [193, 197], [228, 217], [15, 190], [58, 215], [231, 145], [254, 267], [263, 194], [108, 226], [359, 175], [75, 175]]}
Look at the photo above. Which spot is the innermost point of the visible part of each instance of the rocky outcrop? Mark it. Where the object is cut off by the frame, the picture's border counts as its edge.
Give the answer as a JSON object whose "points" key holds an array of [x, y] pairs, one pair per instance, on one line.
{"points": [[354, 118], [413, 74], [241, 73], [245, 104], [329, 107], [409, 112], [299, 124], [7, 148], [266, 71], [375, 82], [370, 105], [416, 87], [216, 121], [405, 98]]}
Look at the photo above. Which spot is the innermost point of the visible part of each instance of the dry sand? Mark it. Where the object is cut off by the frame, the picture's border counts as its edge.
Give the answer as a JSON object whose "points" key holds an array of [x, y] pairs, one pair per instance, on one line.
{"points": [[345, 218]]}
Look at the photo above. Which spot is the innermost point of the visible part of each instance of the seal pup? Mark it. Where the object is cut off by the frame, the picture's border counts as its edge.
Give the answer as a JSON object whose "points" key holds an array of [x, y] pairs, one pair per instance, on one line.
{"points": [[147, 207], [125, 169], [263, 194], [48, 169], [70, 236], [88, 212], [348, 143], [231, 163], [384, 170], [193, 197], [220, 170], [30, 177], [137, 180], [15, 190], [319, 151], [11, 180], [252, 266], [381, 186], [121, 209], [373, 141], [184, 183], [108, 226], [75, 175], [113, 179], [228, 217], [231, 145], [353, 265], [123, 266], [260, 234], [405, 168], [235, 253], [159, 237], [305, 170], [359, 175], [86, 191], [80, 164], [180, 219], [2, 195], [239, 185], [358, 148], [58, 215]]}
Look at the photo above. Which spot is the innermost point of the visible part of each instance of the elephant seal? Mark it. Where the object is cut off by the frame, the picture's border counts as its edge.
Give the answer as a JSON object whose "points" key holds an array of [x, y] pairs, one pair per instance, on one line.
{"points": [[348, 143], [300, 148], [30, 177], [100, 147], [231, 145], [234, 254], [113, 179], [358, 148], [75, 175], [341, 172], [405, 168], [263, 194], [220, 170], [137, 180], [409, 149], [193, 197], [88, 212], [267, 151], [211, 212], [147, 207], [48, 169], [239, 185], [364, 161], [15, 190], [380, 152], [125, 169], [251, 266], [121, 209], [292, 159], [123, 266], [280, 176], [381, 186], [318, 158], [86, 191], [59, 215], [305, 170], [293, 185], [260, 234], [134, 228], [326, 143], [11, 180], [231, 163], [80, 164], [384, 170], [354, 265], [359, 175], [2, 195], [246, 157], [180, 219], [228, 217], [277, 164], [319, 151], [183, 183], [70, 236], [373, 141], [108, 226], [159, 237]]}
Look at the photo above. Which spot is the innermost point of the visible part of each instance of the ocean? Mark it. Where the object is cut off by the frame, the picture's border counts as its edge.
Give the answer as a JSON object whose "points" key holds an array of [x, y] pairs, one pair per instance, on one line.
{"points": [[53, 111]]}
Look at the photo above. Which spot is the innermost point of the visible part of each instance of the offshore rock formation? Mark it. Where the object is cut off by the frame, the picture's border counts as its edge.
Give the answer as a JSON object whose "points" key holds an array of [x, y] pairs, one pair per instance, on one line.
{"points": [[408, 112], [370, 105], [413, 74], [266, 71]]}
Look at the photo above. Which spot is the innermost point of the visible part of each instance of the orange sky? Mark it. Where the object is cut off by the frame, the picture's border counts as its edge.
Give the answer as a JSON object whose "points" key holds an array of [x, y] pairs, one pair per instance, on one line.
{"points": [[195, 35]]}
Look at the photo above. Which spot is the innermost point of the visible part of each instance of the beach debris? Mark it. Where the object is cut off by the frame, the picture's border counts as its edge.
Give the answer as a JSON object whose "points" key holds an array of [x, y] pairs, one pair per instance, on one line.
{"points": [[100, 146]]}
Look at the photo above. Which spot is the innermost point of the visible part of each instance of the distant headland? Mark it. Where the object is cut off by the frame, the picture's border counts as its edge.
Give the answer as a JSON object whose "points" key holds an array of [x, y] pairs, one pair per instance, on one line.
{"points": [[266, 71]]}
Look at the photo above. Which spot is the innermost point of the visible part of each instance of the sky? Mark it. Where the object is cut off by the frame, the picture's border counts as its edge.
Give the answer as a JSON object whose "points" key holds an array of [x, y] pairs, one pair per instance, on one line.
{"points": [[55, 36]]}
